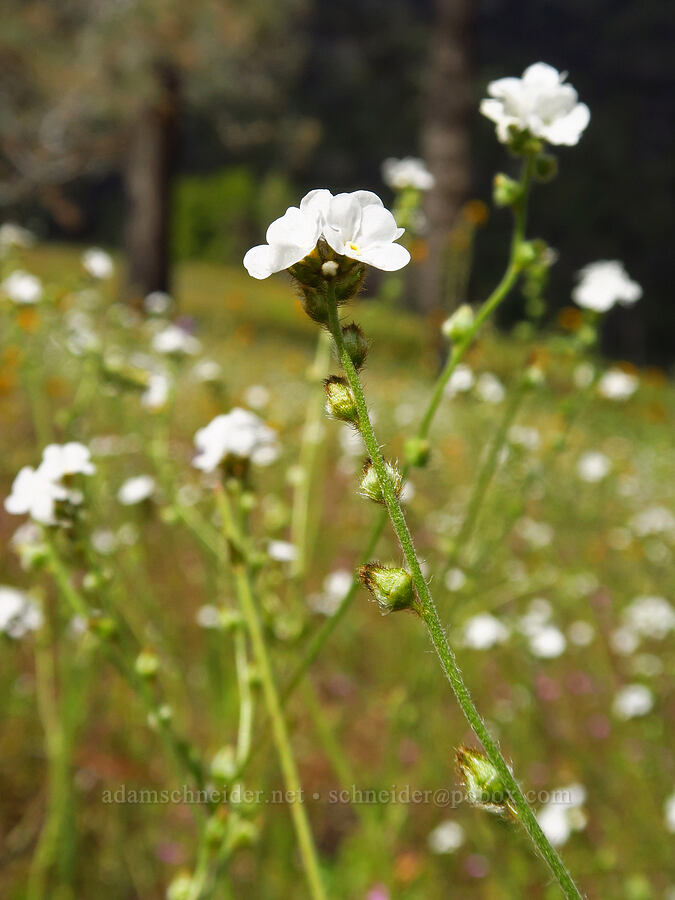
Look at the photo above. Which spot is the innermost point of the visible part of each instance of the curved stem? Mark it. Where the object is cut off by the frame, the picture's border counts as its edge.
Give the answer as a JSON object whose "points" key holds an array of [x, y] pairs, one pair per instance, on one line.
{"points": [[279, 729], [432, 621]]}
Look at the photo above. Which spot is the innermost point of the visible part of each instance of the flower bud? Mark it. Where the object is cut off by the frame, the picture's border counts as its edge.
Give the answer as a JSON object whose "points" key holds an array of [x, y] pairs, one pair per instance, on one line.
{"points": [[460, 324], [340, 402], [526, 254], [242, 832], [545, 167], [392, 588], [356, 344], [224, 764], [417, 451], [505, 191], [147, 664], [349, 284], [330, 268], [370, 485], [314, 304], [484, 785], [180, 888]]}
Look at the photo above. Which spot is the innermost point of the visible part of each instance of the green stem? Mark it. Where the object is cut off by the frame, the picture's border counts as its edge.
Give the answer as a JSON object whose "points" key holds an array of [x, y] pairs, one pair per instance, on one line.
{"points": [[246, 704], [279, 728], [432, 621]]}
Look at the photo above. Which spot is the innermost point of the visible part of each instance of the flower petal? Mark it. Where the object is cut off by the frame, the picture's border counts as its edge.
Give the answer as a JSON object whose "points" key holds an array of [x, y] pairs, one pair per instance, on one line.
{"points": [[378, 226], [388, 257], [258, 261]]}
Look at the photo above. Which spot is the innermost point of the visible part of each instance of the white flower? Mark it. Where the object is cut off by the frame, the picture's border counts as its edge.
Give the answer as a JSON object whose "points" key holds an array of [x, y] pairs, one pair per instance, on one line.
{"points": [[257, 396], [207, 371], [547, 642], [631, 701], [18, 612], [409, 172], [650, 617], [13, 235], [524, 436], [174, 339], [290, 238], [157, 303], [593, 466], [604, 283], [455, 580], [208, 616], [489, 388], [282, 551], [136, 490], [239, 433], [616, 384], [583, 374], [446, 837], [33, 492], [669, 809], [484, 631], [581, 633], [22, 287], [156, 394], [461, 380], [539, 103], [537, 534], [62, 460], [358, 226], [98, 263], [653, 520], [104, 541], [563, 814]]}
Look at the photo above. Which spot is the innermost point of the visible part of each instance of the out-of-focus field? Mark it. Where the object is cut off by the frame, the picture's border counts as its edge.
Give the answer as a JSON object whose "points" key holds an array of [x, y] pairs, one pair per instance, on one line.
{"points": [[549, 550]]}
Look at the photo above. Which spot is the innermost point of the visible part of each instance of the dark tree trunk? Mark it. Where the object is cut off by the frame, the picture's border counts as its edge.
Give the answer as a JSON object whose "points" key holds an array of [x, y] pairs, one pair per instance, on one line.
{"points": [[147, 183], [445, 134]]}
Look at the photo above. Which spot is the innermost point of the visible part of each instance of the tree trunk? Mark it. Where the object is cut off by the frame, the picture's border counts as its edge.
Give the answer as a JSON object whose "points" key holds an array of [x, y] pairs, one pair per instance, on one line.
{"points": [[445, 135], [147, 183]]}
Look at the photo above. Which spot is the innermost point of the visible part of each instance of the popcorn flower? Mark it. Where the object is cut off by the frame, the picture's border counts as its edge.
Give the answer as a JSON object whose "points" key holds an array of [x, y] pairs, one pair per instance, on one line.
{"points": [[176, 340], [136, 490], [240, 434], [22, 287], [62, 460], [603, 284], [354, 225], [538, 103], [409, 172], [98, 263], [19, 614]]}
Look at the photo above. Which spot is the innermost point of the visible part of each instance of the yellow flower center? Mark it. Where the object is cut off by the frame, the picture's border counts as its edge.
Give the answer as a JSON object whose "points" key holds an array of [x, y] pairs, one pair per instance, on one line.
{"points": [[353, 247]]}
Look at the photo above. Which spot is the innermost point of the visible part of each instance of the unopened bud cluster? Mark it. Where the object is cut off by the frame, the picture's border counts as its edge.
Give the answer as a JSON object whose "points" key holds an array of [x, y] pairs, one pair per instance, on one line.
{"points": [[459, 326], [484, 784], [340, 401], [370, 486], [391, 587], [313, 273]]}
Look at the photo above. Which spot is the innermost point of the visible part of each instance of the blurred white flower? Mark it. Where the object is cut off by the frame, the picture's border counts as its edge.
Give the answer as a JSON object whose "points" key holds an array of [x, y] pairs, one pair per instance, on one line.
{"points": [[539, 103], [563, 814], [583, 374], [157, 303], [461, 380], [616, 384], [489, 388], [13, 235], [282, 551], [524, 436], [624, 641], [653, 520], [409, 172], [207, 371], [335, 586], [257, 396], [239, 433], [156, 394], [22, 287], [604, 283], [537, 534], [455, 579], [136, 490], [669, 809], [581, 633], [62, 460], [446, 837], [19, 614], [632, 701], [593, 466], [547, 642], [175, 340], [484, 631], [98, 263], [104, 541], [208, 616], [650, 617], [33, 492]]}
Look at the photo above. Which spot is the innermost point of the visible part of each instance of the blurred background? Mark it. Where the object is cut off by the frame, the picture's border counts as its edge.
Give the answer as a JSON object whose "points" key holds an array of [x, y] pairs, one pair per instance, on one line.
{"points": [[176, 131]]}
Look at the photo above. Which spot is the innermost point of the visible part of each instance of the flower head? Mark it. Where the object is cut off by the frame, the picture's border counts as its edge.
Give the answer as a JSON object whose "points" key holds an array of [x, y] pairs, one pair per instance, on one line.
{"points": [[62, 460], [176, 340], [22, 287], [538, 103], [18, 612], [240, 434], [603, 284], [98, 263], [136, 490], [290, 238], [409, 172], [33, 492]]}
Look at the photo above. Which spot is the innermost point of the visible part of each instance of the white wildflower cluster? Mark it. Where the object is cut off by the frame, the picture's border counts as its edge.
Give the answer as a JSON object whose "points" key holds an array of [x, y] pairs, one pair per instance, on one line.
{"points": [[13, 235], [603, 284], [239, 434], [354, 225], [409, 172], [19, 613], [175, 341], [98, 263], [335, 586], [483, 631], [632, 701], [23, 288], [618, 385], [545, 639], [136, 490], [446, 837], [539, 103], [38, 492], [563, 814], [593, 466]]}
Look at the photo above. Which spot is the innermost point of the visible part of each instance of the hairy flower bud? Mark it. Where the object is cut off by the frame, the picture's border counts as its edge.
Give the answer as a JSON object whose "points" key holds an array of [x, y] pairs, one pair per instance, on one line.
{"points": [[545, 167], [526, 254], [340, 402], [483, 782], [370, 486], [224, 764], [460, 324], [356, 344], [417, 451], [505, 191], [391, 587], [147, 664]]}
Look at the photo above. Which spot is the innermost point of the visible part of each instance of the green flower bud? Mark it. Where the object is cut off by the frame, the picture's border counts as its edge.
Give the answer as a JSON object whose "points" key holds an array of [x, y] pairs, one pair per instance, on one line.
{"points": [[545, 167], [370, 485], [231, 619], [460, 324], [356, 344], [505, 191], [417, 451], [340, 402], [242, 832], [526, 254], [224, 764], [104, 627], [216, 828], [392, 588], [349, 284], [314, 304], [147, 664], [180, 887], [483, 783]]}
